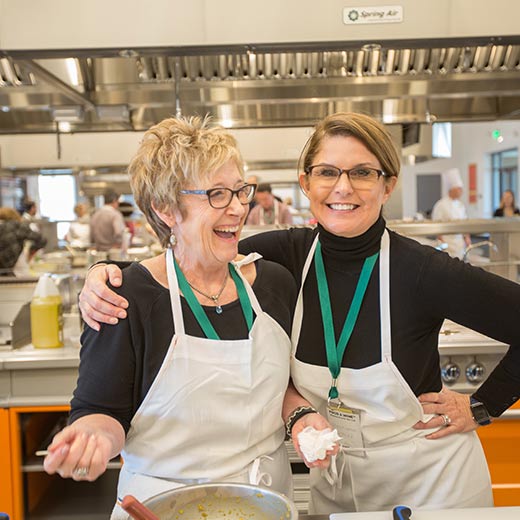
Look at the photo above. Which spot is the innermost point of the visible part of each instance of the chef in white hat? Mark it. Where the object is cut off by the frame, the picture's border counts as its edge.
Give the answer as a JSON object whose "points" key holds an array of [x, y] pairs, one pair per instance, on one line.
{"points": [[450, 207]]}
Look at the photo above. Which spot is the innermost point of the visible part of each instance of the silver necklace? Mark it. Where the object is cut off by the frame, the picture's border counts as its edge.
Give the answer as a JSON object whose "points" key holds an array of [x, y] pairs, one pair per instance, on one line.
{"points": [[218, 308]]}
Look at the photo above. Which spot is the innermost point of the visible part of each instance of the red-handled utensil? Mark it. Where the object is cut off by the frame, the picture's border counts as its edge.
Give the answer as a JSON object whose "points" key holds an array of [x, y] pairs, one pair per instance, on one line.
{"points": [[136, 510]]}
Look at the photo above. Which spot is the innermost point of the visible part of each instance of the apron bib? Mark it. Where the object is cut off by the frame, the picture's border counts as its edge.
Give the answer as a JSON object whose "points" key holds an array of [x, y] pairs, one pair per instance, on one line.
{"points": [[213, 413], [396, 464]]}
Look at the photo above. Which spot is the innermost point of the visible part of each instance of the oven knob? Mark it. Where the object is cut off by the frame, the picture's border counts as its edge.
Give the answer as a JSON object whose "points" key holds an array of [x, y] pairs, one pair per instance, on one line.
{"points": [[475, 372], [450, 372]]}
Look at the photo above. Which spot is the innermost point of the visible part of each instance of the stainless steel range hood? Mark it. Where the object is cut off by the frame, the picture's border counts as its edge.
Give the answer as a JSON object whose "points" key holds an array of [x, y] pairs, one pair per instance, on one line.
{"points": [[265, 85]]}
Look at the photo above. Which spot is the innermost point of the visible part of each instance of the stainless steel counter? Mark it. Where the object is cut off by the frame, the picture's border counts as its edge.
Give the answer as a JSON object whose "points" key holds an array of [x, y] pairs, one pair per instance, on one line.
{"points": [[38, 377], [30, 376]]}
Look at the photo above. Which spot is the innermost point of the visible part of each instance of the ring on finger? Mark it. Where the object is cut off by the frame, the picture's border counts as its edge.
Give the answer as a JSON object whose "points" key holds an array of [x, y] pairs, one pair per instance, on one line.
{"points": [[81, 471], [446, 419]]}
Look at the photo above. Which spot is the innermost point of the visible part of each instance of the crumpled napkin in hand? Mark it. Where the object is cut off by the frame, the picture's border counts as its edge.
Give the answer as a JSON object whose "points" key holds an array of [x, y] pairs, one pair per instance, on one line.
{"points": [[315, 443]]}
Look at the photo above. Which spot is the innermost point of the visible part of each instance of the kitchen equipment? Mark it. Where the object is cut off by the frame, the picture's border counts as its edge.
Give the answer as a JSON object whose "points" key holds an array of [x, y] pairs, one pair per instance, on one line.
{"points": [[54, 262], [222, 501], [467, 357], [136, 509], [15, 295], [477, 513]]}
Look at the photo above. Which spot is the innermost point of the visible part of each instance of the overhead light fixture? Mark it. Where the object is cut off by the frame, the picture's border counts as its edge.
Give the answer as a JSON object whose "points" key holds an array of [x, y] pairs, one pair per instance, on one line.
{"points": [[67, 114], [64, 127]]}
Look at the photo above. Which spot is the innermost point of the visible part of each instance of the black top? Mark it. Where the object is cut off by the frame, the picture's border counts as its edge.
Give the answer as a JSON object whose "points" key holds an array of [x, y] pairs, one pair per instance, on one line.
{"points": [[500, 212], [426, 287], [119, 363]]}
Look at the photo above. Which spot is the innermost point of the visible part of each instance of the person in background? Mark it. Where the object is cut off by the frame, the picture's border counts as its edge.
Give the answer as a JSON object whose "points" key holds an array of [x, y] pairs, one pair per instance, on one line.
{"points": [[127, 209], [366, 333], [268, 210], [191, 386], [29, 214], [507, 205], [78, 234], [450, 207], [107, 224], [14, 233]]}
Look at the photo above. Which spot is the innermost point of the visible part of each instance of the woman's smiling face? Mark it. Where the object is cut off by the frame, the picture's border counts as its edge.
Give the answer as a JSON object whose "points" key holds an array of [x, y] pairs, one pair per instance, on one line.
{"points": [[207, 236], [341, 209]]}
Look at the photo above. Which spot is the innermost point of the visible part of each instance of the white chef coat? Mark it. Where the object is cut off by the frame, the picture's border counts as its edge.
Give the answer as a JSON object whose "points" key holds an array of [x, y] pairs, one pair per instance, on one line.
{"points": [[451, 209], [398, 465], [214, 411]]}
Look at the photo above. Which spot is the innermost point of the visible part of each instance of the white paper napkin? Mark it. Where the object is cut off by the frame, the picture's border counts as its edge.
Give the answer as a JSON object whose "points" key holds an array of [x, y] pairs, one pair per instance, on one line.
{"points": [[315, 443]]}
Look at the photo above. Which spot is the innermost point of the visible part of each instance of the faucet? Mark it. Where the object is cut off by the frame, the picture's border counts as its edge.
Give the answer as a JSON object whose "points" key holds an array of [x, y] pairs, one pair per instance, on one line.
{"points": [[478, 244]]}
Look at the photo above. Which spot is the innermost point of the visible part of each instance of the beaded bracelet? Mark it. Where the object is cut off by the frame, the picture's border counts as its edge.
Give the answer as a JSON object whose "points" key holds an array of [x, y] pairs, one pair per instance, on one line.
{"points": [[297, 413]]}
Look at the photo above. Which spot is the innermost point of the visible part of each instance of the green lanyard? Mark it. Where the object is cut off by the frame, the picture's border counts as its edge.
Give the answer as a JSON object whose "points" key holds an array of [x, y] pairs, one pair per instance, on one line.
{"points": [[335, 351], [197, 309]]}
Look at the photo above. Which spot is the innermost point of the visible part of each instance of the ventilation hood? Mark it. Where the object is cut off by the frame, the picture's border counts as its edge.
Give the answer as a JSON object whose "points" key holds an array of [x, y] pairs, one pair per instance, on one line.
{"points": [[264, 85]]}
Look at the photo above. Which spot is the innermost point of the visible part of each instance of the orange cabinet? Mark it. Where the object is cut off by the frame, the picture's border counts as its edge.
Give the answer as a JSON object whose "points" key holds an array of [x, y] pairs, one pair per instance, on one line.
{"points": [[501, 441], [34, 493], [29, 427], [6, 483]]}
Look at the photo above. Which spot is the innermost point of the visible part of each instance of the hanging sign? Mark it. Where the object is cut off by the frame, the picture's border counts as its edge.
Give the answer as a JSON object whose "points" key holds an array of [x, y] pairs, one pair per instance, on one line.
{"points": [[373, 14]]}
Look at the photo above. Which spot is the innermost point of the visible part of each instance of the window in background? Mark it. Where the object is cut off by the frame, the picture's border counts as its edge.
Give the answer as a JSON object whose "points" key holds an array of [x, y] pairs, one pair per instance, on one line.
{"points": [[11, 192], [57, 195], [504, 171], [441, 140]]}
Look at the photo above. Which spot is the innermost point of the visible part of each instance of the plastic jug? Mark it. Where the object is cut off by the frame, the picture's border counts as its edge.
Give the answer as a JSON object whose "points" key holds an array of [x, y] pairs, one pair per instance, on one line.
{"points": [[46, 315]]}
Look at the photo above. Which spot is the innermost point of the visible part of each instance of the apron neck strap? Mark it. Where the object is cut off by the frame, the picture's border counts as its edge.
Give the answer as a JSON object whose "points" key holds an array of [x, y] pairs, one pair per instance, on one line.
{"points": [[198, 311], [175, 297], [384, 297], [245, 303]]}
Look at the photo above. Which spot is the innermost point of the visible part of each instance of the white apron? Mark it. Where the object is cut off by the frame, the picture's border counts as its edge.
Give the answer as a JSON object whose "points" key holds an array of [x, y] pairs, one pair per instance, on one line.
{"points": [[214, 411], [399, 465]]}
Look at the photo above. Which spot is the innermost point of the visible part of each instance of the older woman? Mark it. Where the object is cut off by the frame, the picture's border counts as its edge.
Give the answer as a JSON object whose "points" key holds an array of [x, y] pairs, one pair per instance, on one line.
{"points": [[190, 387], [365, 335]]}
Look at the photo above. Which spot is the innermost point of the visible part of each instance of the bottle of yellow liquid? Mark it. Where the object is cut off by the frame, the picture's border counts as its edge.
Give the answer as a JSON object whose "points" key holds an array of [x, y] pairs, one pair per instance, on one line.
{"points": [[46, 315]]}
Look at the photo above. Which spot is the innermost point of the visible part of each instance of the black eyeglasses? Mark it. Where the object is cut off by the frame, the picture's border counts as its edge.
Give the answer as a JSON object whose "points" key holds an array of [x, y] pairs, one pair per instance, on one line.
{"points": [[361, 177], [220, 198]]}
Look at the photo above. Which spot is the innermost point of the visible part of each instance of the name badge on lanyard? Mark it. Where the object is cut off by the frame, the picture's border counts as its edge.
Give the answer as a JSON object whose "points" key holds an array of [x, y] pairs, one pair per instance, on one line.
{"points": [[347, 422]]}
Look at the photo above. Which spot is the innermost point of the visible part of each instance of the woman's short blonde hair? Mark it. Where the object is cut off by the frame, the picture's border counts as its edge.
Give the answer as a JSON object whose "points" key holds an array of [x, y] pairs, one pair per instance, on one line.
{"points": [[174, 153], [366, 129]]}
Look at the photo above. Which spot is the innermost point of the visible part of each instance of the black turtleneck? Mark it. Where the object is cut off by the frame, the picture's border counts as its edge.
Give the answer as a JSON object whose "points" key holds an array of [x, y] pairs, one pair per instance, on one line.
{"points": [[341, 249], [426, 287]]}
